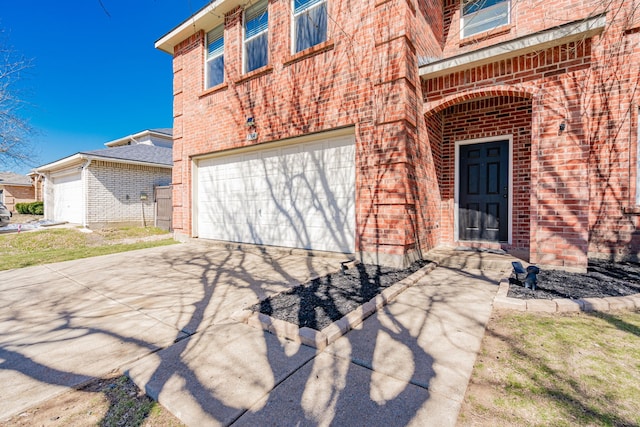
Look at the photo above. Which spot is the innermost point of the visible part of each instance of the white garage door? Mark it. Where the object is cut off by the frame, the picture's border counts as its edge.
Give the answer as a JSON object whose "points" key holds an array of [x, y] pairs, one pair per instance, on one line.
{"points": [[300, 196], [67, 198]]}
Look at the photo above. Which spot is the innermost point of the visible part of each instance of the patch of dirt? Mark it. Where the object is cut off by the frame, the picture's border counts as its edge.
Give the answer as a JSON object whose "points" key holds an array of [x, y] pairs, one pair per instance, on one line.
{"points": [[113, 401], [320, 302], [603, 279]]}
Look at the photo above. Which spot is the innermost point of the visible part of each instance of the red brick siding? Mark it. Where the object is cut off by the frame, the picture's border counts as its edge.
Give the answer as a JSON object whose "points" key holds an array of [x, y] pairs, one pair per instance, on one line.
{"points": [[560, 224], [17, 194], [429, 30], [573, 183], [582, 178], [613, 136], [365, 75], [527, 17], [525, 73]]}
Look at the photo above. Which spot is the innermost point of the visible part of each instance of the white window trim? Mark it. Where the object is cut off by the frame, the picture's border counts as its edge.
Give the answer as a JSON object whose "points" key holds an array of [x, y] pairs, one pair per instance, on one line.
{"points": [[471, 15], [245, 40], [456, 196], [207, 59], [294, 15]]}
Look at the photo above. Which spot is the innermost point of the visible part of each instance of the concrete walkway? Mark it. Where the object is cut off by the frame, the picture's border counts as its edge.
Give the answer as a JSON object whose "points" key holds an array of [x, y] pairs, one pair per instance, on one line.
{"points": [[164, 316]]}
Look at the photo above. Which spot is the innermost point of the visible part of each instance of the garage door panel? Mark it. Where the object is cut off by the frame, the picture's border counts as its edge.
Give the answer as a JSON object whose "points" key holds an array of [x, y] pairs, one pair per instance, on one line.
{"points": [[295, 196], [68, 198]]}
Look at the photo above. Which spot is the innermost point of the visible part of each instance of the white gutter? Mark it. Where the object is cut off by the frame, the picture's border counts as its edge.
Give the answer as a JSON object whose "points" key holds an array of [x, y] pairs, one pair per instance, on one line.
{"points": [[85, 190], [543, 40], [45, 195]]}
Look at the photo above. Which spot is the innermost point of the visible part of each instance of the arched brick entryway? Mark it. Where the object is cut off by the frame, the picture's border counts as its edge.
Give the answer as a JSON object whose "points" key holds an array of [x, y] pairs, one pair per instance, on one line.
{"points": [[480, 117]]}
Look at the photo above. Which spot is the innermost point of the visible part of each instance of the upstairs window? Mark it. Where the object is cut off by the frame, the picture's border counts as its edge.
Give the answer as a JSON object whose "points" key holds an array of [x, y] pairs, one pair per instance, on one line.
{"points": [[309, 23], [256, 43], [483, 15], [214, 72]]}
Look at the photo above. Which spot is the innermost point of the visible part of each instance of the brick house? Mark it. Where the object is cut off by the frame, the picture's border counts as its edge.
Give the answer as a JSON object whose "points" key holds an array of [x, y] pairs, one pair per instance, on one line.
{"points": [[386, 128], [112, 186], [15, 188]]}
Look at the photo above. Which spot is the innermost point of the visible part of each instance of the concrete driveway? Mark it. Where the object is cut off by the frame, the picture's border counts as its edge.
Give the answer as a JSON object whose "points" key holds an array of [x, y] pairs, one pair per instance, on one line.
{"points": [[163, 316], [63, 324]]}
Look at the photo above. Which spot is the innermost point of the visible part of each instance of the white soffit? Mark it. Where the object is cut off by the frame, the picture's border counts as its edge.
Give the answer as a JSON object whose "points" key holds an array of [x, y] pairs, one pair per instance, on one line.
{"points": [[543, 40]]}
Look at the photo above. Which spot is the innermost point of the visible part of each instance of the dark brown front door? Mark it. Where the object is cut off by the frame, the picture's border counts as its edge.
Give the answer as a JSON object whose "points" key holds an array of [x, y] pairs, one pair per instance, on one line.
{"points": [[484, 191]]}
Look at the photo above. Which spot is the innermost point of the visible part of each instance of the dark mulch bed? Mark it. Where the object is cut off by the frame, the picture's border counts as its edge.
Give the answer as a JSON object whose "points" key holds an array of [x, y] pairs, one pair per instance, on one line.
{"points": [[603, 279], [320, 302]]}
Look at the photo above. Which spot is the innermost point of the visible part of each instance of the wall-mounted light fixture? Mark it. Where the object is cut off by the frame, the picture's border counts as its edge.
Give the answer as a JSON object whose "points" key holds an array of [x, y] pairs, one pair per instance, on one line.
{"points": [[562, 126], [251, 126]]}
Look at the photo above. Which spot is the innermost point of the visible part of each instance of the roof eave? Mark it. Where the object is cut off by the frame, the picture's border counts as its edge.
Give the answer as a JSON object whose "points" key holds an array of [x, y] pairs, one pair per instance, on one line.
{"points": [[77, 159], [129, 162], [205, 19], [573, 31], [119, 141], [15, 184], [61, 164]]}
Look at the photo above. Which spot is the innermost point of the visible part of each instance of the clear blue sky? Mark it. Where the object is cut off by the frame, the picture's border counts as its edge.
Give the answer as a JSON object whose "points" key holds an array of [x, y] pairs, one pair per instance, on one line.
{"points": [[95, 77]]}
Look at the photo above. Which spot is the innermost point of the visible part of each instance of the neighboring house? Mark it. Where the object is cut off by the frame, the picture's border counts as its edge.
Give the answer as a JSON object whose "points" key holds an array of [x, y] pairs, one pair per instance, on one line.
{"points": [[386, 128], [38, 185], [112, 186], [15, 188]]}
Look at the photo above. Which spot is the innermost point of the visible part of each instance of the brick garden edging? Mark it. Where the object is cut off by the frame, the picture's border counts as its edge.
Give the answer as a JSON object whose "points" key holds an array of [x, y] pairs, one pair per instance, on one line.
{"points": [[321, 339], [563, 305]]}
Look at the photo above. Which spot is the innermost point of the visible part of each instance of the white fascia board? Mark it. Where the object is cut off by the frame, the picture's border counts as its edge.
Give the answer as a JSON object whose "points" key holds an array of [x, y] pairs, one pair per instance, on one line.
{"points": [[205, 19], [543, 40], [126, 139], [60, 164]]}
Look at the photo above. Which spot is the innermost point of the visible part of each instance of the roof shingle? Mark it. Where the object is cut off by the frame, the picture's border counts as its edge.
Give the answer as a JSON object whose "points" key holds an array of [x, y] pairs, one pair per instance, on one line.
{"points": [[12, 178], [137, 152]]}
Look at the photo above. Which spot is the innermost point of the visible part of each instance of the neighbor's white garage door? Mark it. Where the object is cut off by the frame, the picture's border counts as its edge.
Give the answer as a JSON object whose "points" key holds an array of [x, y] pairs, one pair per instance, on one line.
{"points": [[300, 196], [67, 198]]}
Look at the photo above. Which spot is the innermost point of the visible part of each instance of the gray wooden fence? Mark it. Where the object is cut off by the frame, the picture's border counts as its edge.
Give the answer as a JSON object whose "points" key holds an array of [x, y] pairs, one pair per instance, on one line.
{"points": [[164, 207]]}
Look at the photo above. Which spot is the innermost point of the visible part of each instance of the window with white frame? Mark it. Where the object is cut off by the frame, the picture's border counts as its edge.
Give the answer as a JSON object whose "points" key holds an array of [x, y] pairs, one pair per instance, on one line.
{"points": [[309, 23], [483, 15], [215, 57], [256, 43]]}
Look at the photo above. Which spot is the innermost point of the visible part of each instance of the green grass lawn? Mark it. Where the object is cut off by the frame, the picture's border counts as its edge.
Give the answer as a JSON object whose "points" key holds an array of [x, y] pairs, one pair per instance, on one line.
{"points": [[561, 370], [19, 250]]}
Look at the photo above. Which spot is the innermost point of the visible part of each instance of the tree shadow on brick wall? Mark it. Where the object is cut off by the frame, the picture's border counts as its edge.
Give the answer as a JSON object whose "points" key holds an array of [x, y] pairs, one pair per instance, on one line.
{"points": [[601, 121]]}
